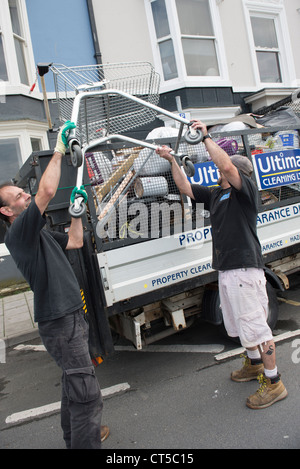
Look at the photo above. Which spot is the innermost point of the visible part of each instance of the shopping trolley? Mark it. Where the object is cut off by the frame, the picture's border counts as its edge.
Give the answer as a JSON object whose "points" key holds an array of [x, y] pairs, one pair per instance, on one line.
{"points": [[104, 101]]}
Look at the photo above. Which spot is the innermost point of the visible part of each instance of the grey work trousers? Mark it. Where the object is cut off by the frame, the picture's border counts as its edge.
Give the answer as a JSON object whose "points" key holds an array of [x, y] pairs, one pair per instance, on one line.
{"points": [[66, 340]]}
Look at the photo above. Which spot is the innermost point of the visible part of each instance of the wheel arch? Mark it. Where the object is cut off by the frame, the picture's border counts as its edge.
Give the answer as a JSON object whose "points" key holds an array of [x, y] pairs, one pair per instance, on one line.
{"points": [[273, 279]]}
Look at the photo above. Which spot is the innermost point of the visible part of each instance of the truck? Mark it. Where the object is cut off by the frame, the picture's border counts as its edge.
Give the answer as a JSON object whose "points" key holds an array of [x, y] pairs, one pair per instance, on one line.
{"points": [[145, 270]]}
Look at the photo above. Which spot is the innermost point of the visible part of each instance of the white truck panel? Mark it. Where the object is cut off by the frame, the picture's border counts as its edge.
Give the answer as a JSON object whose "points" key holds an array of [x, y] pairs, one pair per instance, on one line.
{"points": [[144, 267]]}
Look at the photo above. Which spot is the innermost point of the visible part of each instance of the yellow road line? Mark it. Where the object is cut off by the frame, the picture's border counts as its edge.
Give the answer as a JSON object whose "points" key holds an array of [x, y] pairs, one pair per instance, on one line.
{"points": [[290, 302]]}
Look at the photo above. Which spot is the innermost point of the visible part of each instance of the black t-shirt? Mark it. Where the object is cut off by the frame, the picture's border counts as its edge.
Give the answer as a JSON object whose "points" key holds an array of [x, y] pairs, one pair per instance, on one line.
{"points": [[39, 255], [233, 215]]}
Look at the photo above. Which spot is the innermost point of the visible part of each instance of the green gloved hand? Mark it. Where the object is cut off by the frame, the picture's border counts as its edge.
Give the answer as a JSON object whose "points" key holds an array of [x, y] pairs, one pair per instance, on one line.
{"points": [[62, 138], [81, 192]]}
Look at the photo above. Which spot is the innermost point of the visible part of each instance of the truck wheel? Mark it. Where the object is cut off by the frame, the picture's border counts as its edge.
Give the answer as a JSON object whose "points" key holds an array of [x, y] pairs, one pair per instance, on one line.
{"points": [[273, 306], [211, 308], [212, 311]]}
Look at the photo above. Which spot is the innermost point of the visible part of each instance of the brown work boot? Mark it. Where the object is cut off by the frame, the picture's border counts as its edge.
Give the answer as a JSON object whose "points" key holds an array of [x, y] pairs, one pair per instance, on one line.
{"points": [[104, 432], [270, 391], [248, 371]]}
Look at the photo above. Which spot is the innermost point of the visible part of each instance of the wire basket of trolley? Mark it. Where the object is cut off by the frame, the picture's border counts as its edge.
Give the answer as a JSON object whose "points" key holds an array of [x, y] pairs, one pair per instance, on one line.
{"points": [[105, 101]]}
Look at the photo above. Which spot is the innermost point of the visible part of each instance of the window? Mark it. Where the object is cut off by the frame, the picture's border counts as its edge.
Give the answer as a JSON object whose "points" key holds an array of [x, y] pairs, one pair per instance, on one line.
{"points": [[197, 37], [3, 70], [10, 157], [267, 51], [188, 44], [270, 44], [16, 56], [18, 40], [36, 144], [18, 140], [165, 42]]}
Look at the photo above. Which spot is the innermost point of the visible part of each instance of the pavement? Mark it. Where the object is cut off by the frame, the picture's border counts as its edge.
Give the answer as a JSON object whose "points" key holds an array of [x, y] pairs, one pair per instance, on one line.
{"points": [[16, 318]]}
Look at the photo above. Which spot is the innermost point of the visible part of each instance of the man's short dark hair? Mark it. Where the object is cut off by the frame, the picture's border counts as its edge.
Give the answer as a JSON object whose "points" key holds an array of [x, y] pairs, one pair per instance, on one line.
{"points": [[2, 201]]}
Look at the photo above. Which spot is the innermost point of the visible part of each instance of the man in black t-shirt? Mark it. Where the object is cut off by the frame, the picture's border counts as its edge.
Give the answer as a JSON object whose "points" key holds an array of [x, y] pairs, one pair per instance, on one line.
{"points": [[39, 255], [237, 257]]}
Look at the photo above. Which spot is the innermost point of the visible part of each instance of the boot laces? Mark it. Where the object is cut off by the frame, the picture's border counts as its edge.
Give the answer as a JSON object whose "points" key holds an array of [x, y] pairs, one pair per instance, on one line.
{"points": [[263, 383], [246, 359]]}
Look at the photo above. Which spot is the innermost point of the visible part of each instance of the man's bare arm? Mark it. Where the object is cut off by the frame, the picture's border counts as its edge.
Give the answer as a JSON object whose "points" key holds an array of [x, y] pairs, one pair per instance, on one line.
{"points": [[49, 182], [180, 179], [75, 234], [220, 158]]}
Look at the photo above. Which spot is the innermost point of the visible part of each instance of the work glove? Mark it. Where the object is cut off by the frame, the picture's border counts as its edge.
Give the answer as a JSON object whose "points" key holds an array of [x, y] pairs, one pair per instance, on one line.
{"points": [[62, 138], [80, 193]]}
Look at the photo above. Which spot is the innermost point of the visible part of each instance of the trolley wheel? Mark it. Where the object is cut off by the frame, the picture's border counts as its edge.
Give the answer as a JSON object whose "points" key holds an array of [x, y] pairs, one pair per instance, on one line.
{"points": [[77, 211], [76, 155], [188, 167], [193, 137]]}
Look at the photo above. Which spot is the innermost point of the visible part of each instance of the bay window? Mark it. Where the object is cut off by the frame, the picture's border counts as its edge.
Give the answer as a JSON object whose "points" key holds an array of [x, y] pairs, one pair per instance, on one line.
{"points": [[10, 157], [188, 45]]}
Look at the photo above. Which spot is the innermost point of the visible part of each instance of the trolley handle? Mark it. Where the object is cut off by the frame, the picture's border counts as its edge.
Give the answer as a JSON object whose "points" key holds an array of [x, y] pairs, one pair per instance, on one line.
{"points": [[192, 136]]}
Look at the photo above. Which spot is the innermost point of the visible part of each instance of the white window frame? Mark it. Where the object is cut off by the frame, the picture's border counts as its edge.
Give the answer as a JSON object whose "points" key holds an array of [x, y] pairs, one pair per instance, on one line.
{"points": [[23, 131], [14, 85], [183, 80], [276, 11]]}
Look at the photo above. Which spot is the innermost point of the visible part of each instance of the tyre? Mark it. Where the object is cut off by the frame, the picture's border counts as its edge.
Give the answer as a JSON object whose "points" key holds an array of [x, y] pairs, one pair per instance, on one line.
{"points": [[273, 306], [212, 311], [211, 307]]}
